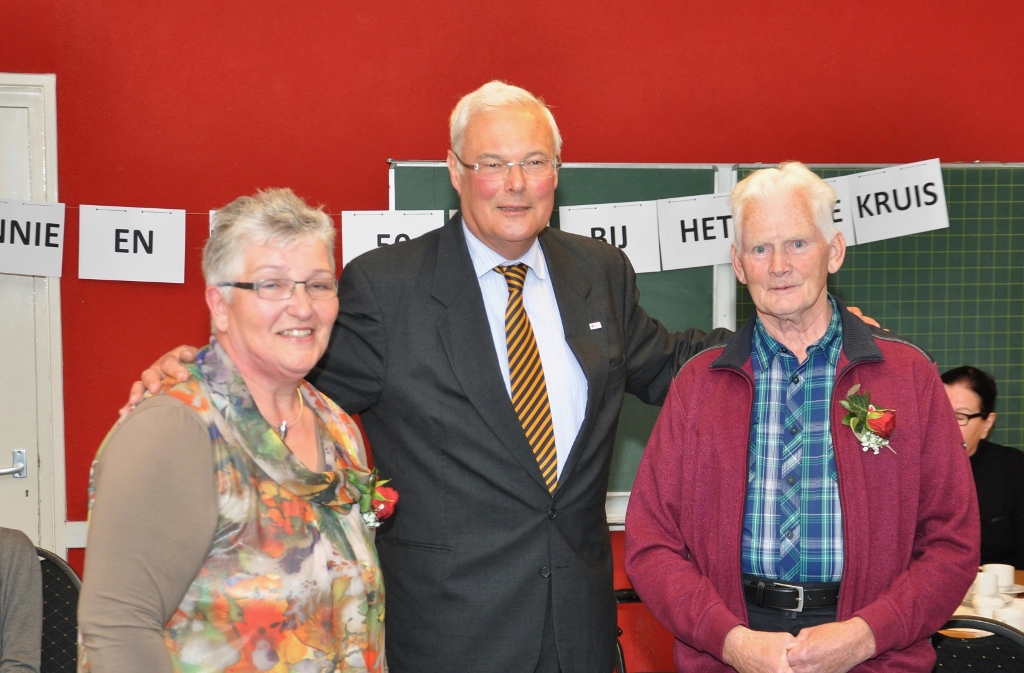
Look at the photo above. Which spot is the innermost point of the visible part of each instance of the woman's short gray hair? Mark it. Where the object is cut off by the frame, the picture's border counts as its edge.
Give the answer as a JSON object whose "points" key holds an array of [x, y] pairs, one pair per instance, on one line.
{"points": [[497, 95], [274, 217], [790, 178]]}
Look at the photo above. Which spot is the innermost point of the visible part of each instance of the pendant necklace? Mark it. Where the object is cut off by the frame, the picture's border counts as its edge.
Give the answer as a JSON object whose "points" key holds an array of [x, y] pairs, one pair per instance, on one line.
{"points": [[282, 429]]}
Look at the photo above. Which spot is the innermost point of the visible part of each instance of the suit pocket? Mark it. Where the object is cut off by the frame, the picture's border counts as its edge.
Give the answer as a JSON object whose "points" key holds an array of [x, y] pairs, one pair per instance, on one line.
{"points": [[412, 544], [617, 373]]}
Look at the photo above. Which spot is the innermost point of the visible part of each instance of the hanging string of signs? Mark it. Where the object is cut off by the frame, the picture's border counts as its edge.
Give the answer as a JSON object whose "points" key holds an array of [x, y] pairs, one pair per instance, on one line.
{"points": [[698, 230], [148, 244]]}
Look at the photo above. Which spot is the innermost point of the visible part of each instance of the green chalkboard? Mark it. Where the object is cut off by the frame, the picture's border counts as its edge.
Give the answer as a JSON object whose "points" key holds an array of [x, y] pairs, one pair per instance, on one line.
{"points": [[680, 299], [956, 292]]}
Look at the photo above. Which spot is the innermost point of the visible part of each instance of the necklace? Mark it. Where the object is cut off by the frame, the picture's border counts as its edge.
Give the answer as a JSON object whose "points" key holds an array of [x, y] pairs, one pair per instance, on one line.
{"points": [[282, 430]]}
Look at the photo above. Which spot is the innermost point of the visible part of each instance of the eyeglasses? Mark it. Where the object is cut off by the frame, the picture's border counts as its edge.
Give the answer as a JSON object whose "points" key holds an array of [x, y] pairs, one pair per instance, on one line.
{"points": [[964, 419], [535, 169], [283, 288]]}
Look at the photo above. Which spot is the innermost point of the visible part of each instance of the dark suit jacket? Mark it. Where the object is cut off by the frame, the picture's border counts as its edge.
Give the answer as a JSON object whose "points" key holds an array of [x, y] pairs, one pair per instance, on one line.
{"points": [[999, 480], [477, 544]]}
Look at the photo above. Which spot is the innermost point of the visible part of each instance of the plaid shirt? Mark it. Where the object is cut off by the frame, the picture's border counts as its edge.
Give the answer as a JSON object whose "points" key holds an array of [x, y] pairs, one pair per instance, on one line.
{"points": [[792, 523]]}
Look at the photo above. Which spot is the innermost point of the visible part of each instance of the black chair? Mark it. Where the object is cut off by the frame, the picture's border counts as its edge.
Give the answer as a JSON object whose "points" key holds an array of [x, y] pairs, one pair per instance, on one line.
{"points": [[647, 640], [623, 596], [60, 614], [620, 658], [1002, 651]]}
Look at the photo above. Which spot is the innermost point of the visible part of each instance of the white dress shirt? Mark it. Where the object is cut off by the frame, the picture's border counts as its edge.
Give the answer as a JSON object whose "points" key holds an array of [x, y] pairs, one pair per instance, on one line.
{"points": [[567, 385]]}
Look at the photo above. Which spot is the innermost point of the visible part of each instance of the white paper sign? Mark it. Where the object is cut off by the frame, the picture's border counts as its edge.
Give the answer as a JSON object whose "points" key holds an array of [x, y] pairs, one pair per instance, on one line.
{"points": [[137, 244], [695, 231], [898, 201], [842, 216], [630, 227], [31, 238], [365, 230]]}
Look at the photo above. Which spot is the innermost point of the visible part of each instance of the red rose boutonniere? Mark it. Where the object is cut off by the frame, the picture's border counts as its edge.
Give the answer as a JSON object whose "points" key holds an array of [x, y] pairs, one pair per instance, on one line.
{"points": [[384, 501], [872, 426], [376, 501]]}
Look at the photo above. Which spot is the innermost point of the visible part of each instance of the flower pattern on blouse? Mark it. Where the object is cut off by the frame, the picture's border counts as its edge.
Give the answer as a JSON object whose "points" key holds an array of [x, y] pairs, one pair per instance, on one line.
{"points": [[292, 582]]}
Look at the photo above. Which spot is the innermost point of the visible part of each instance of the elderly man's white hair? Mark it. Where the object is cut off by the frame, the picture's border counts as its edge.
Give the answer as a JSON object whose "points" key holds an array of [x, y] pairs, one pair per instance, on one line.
{"points": [[497, 95], [789, 179]]}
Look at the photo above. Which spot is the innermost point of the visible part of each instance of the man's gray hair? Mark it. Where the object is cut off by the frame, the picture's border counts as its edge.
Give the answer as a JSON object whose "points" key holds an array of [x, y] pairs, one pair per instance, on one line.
{"points": [[497, 95], [790, 178], [275, 217]]}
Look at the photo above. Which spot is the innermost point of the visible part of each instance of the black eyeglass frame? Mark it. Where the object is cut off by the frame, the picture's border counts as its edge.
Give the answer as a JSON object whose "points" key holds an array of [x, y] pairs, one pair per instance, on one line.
{"points": [[964, 419]]}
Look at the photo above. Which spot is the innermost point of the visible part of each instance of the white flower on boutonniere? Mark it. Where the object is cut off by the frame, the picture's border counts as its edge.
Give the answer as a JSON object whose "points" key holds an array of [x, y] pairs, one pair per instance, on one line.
{"points": [[377, 501], [872, 426]]}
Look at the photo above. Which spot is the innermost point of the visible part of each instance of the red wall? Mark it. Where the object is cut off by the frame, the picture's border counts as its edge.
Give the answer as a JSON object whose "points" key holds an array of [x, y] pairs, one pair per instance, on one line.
{"points": [[190, 104]]}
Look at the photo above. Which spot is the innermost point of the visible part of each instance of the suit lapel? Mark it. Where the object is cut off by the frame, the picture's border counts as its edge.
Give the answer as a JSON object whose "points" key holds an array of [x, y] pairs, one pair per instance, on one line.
{"points": [[468, 345], [578, 310]]}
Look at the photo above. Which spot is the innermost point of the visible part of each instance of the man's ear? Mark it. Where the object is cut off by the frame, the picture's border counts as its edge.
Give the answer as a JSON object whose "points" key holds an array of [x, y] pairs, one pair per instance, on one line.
{"points": [[455, 171], [836, 252], [218, 306], [737, 268]]}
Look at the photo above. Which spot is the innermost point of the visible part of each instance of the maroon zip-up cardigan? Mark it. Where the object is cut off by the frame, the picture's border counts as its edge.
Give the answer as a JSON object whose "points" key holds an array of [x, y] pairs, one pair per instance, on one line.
{"points": [[910, 519]]}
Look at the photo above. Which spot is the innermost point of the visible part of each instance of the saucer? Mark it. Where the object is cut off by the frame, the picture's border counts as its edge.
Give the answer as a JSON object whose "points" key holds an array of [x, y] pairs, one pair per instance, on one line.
{"points": [[1006, 596], [1013, 589]]}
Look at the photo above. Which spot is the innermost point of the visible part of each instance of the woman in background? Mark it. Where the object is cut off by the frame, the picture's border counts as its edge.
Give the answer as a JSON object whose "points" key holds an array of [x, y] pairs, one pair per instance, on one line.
{"points": [[225, 528], [998, 470]]}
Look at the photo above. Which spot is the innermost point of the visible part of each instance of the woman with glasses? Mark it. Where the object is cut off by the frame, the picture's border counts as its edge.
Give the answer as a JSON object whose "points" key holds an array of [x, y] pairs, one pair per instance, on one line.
{"points": [[998, 470], [225, 526]]}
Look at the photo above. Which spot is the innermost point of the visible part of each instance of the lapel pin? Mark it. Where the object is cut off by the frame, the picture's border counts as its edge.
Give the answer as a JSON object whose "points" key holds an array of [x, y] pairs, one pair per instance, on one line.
{"points": [[595, 325]]}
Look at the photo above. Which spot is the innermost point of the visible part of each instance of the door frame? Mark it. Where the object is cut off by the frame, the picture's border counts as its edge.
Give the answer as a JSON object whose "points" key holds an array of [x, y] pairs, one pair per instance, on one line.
{"points": [[41, 91]]}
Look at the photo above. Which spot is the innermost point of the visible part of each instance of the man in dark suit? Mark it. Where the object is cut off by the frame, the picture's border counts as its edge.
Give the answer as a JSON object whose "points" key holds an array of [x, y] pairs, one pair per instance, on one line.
{"points": [[498, 558], [486, 567]]}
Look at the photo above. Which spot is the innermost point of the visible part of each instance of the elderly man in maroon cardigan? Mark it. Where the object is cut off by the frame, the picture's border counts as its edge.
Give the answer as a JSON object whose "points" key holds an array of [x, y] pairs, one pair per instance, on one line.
{"points": [[801, 502]]}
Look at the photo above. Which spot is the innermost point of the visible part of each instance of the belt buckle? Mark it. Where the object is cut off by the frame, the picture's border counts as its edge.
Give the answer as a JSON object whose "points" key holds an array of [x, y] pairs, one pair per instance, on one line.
{"points": [[799, 596]]}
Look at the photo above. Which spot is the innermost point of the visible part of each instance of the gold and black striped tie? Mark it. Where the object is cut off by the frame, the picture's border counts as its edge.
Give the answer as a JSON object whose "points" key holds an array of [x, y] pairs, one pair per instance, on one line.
{"points": [[529, 391]]}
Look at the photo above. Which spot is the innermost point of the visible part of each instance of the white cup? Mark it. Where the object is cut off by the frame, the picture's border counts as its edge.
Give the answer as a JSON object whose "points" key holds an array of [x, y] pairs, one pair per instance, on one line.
{"points": [[1012, 616], [1003, 571], [986, 605], [986, 584]]}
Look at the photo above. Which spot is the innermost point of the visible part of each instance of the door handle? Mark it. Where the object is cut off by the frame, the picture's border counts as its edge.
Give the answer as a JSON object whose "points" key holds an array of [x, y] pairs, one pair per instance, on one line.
{"points": [[19, 469]]}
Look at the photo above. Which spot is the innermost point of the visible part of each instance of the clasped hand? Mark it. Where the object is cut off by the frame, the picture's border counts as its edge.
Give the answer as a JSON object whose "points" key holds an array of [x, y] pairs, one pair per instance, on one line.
{"points": [[829, 648]]}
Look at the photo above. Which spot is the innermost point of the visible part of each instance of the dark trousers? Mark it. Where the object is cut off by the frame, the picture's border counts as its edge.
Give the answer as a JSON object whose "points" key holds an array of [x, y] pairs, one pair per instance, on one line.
{"points": [[779, 621]]}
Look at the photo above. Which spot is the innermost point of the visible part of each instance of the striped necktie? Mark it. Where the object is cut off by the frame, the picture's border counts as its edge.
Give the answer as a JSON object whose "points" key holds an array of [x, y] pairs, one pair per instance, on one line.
{"points": [[529, 391]]}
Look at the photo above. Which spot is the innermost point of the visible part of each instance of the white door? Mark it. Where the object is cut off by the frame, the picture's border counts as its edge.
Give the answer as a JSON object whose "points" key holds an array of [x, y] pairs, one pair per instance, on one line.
{"points": [[31, 388]]}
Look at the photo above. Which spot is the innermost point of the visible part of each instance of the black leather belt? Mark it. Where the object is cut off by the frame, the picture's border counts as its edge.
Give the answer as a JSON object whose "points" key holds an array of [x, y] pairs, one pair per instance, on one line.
{"points": [[792, 597]]}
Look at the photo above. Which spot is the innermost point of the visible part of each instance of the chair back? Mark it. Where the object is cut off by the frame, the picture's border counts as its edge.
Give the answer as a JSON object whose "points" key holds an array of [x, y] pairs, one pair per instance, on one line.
{"points": [[646, 642], [60, 614], [1001, 651]]}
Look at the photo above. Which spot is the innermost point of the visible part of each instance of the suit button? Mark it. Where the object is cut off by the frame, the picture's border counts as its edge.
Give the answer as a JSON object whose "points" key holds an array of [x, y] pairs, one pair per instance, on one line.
{"points": [[551, 513], [545, 572]]}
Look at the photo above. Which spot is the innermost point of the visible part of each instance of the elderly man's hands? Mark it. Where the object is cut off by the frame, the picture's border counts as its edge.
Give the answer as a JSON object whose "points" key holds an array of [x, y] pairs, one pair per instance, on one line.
{"points": [[757, 651], [832, 648], [167, 365]]}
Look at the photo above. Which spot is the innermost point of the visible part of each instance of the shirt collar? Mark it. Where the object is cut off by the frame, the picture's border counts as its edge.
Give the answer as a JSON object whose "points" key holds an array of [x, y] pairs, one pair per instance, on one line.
{"points": [[485, 259], [764, 347]]}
